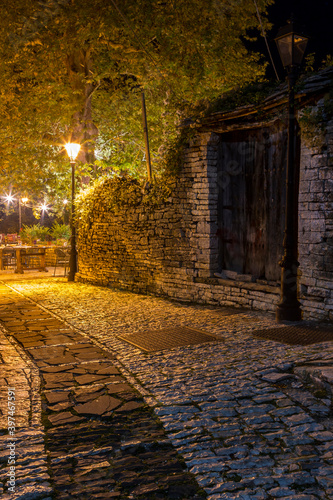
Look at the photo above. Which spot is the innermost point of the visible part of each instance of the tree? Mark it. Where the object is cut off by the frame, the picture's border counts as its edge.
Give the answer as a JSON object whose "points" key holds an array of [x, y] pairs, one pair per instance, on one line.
{"points": [[75, 69]]}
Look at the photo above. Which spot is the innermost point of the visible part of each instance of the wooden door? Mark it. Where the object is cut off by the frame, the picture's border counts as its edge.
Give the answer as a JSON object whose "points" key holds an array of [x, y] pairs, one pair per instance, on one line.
{"points": [[251, 206]]}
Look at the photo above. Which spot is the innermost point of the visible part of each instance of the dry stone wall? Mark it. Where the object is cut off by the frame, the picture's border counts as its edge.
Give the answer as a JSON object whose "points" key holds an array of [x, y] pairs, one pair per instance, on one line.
{"points": [[172, 249], [316, 226]]}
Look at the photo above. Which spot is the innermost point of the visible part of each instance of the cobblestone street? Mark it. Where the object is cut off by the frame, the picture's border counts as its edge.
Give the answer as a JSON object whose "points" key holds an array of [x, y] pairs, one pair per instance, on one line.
{"points": [[238, 422]]}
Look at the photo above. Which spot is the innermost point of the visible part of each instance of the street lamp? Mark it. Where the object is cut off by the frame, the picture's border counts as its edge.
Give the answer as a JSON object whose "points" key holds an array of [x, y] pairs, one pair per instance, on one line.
{"points": [[291, 46], [72, 151]]}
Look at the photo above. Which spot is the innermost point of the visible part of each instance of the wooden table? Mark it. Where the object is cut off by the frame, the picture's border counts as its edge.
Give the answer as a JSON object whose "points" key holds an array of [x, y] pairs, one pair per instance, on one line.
{"points": [[27, 257]]}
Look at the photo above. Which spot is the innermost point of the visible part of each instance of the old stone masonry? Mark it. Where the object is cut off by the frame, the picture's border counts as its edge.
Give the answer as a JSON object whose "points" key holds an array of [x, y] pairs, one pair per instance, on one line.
{"points": [[239, 420]]}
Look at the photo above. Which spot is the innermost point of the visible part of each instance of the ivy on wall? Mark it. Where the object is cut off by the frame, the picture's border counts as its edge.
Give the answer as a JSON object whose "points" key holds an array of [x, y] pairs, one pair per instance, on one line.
{"points": [[116, 193], [313, 122]]}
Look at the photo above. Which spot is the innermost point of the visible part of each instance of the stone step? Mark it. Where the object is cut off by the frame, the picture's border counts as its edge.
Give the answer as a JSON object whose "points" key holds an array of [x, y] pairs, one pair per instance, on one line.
{"points": [[319, 374]]}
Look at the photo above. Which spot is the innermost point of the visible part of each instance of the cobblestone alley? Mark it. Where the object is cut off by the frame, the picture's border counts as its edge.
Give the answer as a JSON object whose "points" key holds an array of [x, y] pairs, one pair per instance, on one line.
{"points": [[98, 417]]}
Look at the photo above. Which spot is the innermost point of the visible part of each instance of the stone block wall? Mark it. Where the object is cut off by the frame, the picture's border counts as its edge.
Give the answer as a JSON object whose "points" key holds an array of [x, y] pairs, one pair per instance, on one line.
{"points": [[172, 250], [316, 226]]}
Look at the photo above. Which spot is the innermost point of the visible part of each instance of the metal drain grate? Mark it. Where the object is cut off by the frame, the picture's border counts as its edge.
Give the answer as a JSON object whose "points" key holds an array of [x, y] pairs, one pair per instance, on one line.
{"points": [[296, 335], [167, 338]]}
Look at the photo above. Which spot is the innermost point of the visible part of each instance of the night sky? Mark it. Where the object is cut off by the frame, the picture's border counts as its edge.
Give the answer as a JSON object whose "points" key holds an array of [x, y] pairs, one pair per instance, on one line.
{"points": [[315, 19]]}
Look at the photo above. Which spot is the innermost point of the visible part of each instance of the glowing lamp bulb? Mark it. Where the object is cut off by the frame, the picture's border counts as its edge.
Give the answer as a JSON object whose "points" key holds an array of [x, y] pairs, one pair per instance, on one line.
{"points": [[72, 150]]}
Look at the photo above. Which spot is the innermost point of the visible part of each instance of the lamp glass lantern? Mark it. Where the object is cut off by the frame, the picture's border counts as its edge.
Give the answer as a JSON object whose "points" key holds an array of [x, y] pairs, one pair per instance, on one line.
{"points": [[291, 45], [72, 150]]}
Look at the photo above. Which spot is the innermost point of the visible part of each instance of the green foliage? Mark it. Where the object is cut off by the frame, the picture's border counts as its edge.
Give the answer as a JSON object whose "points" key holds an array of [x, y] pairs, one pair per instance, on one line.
{"points": [[112, 194], [312, 126], [310, 63], [37, 232], [29, 234], [251, 94], [172, 159], [313, 122], [75, 69], [328, 61], [60, 231]]}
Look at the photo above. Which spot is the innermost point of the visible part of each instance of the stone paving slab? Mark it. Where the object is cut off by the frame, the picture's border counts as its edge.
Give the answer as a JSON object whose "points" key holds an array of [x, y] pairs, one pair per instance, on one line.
{"points": [[65, 354], [51, 337], [100, 438], [18, 372], [246, 424]]}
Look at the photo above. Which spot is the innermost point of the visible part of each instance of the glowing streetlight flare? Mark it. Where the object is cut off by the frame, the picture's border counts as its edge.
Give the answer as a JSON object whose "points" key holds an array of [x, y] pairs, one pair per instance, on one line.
{"points": [[72, 150], [44, 207], [9, 198]]}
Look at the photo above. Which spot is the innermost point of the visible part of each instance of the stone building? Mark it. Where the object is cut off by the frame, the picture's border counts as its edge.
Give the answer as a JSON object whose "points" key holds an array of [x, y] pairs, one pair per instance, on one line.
{"points": [[218, 238]]}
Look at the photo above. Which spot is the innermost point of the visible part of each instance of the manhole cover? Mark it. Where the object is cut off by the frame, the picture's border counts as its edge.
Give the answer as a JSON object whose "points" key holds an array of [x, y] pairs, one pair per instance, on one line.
{"points": [[296, 335], [167, 338]]}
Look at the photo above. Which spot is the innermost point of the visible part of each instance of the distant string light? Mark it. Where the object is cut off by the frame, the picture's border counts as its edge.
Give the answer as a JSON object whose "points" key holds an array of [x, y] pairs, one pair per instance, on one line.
{"points": [[44, 207], [9, 198], [26, 202]]}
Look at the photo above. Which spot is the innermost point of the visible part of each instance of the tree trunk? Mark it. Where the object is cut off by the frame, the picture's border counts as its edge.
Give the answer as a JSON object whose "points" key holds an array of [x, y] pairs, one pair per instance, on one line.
{"points": [[84, 131]]}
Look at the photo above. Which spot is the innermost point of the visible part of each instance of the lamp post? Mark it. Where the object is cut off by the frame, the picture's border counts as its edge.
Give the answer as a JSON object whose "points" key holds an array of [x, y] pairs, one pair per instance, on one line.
{"points": [[10, 199], [291, 47], [72, 151], [65, 204], [22, 203]]}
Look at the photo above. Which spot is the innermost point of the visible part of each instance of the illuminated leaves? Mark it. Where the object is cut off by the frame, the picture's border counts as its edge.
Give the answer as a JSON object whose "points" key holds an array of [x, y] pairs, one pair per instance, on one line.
{"points": [[78, 67]]}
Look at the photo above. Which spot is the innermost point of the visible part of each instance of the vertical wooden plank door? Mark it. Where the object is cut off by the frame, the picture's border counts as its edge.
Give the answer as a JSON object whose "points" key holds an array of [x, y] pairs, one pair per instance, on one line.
{"points": [[251, 205]]}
